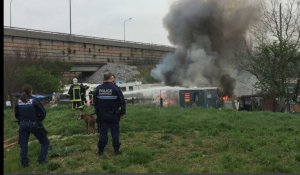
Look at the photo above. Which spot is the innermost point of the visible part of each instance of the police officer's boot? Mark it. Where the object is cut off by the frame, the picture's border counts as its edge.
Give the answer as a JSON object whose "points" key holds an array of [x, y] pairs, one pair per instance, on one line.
{"points": [[25, 163], [118, 152], [100, 152]]}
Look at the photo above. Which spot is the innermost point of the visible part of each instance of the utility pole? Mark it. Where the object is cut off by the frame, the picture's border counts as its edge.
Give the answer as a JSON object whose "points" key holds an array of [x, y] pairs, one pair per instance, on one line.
{"points": [[10, 13]]}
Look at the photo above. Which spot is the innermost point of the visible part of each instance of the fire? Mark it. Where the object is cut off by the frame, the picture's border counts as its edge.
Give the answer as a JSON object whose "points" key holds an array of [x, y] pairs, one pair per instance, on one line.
{"points": [[167, 99], [169, 102], [225, 98]]}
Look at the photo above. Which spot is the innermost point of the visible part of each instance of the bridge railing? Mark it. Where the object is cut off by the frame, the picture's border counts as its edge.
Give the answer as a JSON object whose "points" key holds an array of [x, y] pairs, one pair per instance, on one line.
{"points": [[84, 36]]}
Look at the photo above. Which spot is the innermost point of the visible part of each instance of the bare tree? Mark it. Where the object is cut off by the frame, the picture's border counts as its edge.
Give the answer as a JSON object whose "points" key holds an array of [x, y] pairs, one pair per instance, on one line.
{"points": [[16, 61], [10, 75], [272, 52], [12, 64], [279, 22]]}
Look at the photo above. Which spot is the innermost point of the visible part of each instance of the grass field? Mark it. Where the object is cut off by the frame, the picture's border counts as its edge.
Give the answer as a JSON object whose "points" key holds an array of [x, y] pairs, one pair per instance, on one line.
{"points": [[168, 140]]}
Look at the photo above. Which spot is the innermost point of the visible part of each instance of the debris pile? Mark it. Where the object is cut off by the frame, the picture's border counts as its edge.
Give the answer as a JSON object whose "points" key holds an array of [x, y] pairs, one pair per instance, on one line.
{"points": [[122, 72]]}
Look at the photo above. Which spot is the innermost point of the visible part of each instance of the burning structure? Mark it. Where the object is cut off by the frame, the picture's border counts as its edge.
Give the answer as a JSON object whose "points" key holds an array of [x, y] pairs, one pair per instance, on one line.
{"points": [[153, 95], [175, 96], [200, 97], [206, 34]]}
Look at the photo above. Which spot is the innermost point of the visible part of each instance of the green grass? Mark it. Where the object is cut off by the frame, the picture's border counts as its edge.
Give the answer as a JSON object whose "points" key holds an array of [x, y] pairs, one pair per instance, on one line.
{"points": [[168, 140]]}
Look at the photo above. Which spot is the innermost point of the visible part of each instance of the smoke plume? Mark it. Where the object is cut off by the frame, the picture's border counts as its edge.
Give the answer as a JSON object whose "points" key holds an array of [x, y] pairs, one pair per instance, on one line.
{"points": [[206, 33]]}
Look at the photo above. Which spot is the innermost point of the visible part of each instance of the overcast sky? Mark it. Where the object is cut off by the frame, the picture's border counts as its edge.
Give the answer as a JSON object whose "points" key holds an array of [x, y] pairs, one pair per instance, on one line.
{"points": [[99, 18]]}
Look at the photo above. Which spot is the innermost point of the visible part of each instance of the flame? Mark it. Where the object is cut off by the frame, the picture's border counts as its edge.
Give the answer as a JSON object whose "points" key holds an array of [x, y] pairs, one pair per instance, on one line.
{"points": [[168, 99], [225, 98], [169, 102]]}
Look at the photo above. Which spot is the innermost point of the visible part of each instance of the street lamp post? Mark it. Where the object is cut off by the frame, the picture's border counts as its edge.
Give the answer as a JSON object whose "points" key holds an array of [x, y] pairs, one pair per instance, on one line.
{"points": [[124, 26], [70, 17], [10, 13]]}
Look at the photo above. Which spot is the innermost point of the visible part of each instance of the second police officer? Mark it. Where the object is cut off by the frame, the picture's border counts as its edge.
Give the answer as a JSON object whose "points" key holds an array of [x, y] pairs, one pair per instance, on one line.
{"points": [[109, 106], [30, 114]]}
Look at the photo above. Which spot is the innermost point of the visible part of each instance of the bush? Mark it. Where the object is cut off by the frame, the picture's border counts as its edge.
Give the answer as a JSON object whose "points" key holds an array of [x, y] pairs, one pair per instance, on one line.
{"points": [[146, 76], [42, 81]]}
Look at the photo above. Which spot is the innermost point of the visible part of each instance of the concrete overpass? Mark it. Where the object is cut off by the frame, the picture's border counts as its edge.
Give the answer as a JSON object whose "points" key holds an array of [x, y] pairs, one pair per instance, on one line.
{"points": [[87, 54]]}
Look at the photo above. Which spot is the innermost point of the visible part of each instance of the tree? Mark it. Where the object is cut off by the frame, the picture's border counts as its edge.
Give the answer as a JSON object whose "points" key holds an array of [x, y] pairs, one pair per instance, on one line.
{"points": [[56, 68], [23, 66], [11, 73], [145, 75], [272, 55], [41, 80], [273, 65]]}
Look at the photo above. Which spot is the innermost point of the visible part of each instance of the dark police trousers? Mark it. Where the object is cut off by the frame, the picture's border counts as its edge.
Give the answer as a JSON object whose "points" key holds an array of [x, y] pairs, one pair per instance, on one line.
{"points": [[27, 127], [109, 120], [76, 104]]}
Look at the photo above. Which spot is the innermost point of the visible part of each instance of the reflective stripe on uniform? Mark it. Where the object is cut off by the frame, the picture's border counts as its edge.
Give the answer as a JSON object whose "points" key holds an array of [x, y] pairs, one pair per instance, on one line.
{"points": [[107, 97], [20, 102]]}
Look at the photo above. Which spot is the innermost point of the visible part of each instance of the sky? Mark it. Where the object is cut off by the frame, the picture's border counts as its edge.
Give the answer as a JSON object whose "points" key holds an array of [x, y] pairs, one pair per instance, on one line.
{"points": [[97, 18]]}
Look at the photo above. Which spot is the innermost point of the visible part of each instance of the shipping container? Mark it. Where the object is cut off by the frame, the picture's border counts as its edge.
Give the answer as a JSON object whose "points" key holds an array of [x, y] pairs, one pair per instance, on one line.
{"points": [[199, 97]]}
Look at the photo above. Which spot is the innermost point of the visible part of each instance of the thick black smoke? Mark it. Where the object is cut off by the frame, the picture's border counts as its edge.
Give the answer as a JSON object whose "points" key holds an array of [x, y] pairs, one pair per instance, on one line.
{"points": [[206, 33]]}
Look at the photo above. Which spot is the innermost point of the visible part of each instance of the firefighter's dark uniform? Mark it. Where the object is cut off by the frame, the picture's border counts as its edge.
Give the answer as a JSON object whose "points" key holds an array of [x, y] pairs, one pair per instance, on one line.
{"points": [[75, 96], [30, 115], [109, 106], [83, 89]]}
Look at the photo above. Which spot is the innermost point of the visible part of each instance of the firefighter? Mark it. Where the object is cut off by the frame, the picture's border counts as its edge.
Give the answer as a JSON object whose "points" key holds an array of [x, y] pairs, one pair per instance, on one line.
{"points": [[30, 113], [75, 94], [83, 89], [161, 102], [107, 100]]}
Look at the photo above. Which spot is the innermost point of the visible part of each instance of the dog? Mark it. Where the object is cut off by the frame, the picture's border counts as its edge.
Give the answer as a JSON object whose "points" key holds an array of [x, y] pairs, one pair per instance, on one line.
{"points": [[296, 108], [90, 122]]}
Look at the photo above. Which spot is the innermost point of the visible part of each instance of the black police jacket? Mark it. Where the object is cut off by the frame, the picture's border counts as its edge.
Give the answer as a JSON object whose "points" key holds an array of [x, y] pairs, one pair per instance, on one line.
{"points": [[108, 97], [32, 110]]}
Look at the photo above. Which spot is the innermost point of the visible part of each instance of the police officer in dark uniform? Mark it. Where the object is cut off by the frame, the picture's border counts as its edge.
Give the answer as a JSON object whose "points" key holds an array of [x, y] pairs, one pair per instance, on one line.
{"points": [[107, 100], [30, 113], [122, 96]]}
